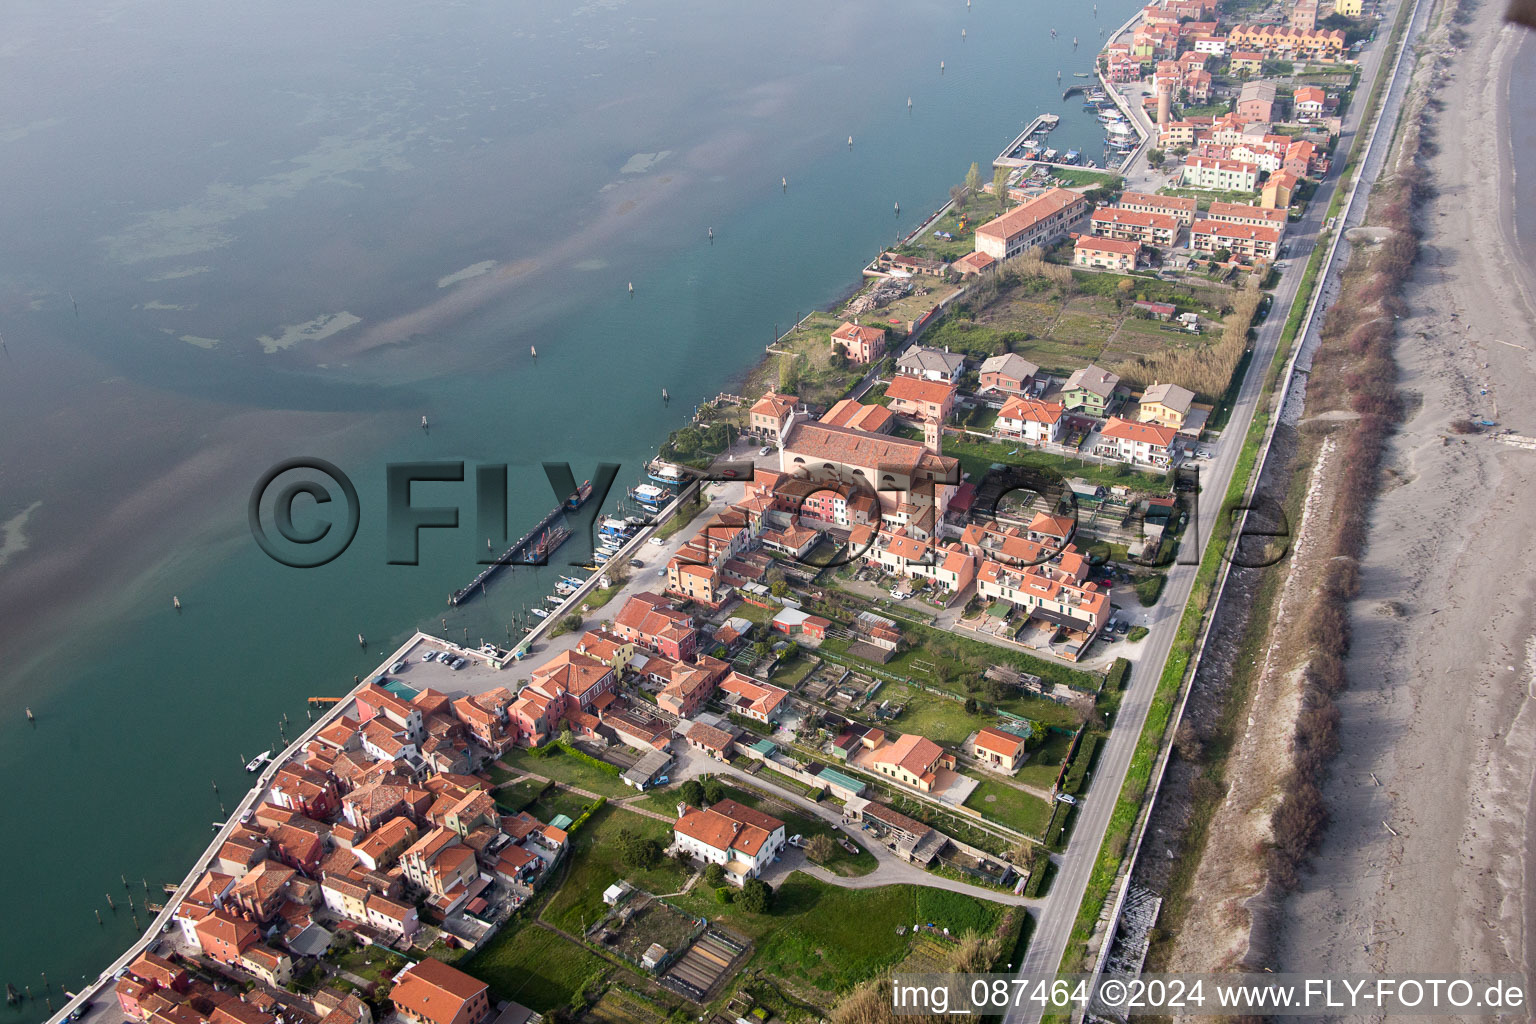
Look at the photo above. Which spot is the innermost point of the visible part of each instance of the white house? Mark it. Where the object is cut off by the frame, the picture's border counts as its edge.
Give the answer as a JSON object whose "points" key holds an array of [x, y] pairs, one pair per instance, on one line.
{"points": [[740, 839], [1137, 443], [1031, 420]]}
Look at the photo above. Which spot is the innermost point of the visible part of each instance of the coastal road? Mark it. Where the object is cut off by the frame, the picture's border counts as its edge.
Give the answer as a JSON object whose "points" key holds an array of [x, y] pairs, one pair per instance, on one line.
{"points": [[1054, 925]]}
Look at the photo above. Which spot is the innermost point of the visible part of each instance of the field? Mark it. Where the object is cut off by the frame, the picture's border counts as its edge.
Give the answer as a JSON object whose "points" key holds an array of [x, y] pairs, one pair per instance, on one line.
{"points": [[823, 939], [1044, 763], [1010, 806], [564, 768], [535, 966], [1092, 321], [949, 662], [595, 863], [938, 718], [976, 457]]}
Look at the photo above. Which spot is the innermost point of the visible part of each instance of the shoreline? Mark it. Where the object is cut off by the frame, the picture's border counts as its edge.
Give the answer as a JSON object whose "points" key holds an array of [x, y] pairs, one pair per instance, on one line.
{"points": [[1437, 733]]}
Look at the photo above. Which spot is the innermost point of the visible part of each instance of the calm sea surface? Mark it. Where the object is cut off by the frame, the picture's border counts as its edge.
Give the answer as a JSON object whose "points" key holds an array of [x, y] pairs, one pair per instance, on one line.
{"points": [[239, 233]]}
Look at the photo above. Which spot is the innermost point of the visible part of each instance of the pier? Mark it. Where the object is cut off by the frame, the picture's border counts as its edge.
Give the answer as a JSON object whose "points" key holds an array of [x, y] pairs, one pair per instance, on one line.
{"points": [[1010, 157], [552, 527]]}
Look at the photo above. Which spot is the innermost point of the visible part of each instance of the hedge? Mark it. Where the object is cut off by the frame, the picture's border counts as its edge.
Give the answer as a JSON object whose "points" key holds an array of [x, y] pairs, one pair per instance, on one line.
{"points": [[1079, 768], [581, 755], [592, 809], [1058, 825], [1118, 675]]}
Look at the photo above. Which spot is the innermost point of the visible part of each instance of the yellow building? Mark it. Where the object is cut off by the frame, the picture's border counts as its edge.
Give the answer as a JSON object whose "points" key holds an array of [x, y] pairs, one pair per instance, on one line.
{"points": [[1349, 8], [1166, 405]]}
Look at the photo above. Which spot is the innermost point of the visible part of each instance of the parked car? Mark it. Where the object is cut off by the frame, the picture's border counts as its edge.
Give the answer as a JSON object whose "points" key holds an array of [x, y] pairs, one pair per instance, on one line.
{"points": [[1122, 627], [1066, 798], [661, 572], [658, 541], [80, 1011], [429, 656], [398, 666], [459, 663], [766, 449]]}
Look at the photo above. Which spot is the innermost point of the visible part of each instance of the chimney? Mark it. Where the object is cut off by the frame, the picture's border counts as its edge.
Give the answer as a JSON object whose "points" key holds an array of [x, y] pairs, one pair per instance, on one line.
{"points": [[682, 808]]}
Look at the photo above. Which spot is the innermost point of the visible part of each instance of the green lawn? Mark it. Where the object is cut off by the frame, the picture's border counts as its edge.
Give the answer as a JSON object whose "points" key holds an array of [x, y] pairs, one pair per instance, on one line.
{"points": [[517, 797], [791, 672], [938, 718], [1044, 763], [830, 939], [977, 457], [1011, 807], [564, 768], [596, 863], [534, 966]]}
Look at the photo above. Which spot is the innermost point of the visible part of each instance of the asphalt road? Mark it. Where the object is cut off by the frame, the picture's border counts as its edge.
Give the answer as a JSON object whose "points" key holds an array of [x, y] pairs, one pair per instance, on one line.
{"points": [[1054, 924]]}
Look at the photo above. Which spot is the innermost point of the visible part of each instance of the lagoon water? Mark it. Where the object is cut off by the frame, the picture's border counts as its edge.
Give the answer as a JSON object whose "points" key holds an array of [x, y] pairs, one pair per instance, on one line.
{"points": [[240, 233]]}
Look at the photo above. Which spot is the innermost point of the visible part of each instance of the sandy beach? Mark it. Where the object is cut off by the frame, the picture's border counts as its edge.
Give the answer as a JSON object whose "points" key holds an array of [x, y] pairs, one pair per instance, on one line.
{"points": [[1438, 734]]}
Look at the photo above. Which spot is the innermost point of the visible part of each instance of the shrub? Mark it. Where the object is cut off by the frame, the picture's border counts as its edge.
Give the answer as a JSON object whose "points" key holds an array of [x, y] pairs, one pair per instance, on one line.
{"points": [[756, 896], [714, 876], [1136, 633], [1116, 678], [692, 792], [725, 894]]}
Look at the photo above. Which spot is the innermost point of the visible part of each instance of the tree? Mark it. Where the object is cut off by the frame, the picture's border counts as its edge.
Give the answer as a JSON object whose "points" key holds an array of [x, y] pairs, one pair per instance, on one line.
{"points": [[638, 851], [1000, 185], [1155, 157], [567, 738], [714, 876], [756, 896], [684, 860], [1126, 285], [820, 848], [788, 378], [714, 792], [973, 180], [971, 707], [692, 792], [723, 894], [778, 588]]}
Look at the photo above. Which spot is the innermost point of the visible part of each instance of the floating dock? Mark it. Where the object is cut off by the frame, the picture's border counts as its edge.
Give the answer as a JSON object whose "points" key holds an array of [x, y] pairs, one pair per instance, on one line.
{"points": [[532, 548], [1013, 154]]}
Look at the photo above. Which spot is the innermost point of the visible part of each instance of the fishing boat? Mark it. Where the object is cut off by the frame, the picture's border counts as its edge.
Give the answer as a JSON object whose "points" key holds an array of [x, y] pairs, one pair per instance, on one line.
{"points": [[1072, 157], [1049, 155], [579, 496], [650, 494], [1081, 74], [1049, 121], [613, 527], [258, 761], [665, 473]]}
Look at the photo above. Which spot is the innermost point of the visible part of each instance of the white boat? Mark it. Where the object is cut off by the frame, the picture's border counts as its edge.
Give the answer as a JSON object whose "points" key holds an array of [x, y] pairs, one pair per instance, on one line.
{"points": [[1124, 131], [258, 761], [556, 599], [540, 612], [1049, 155]]}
